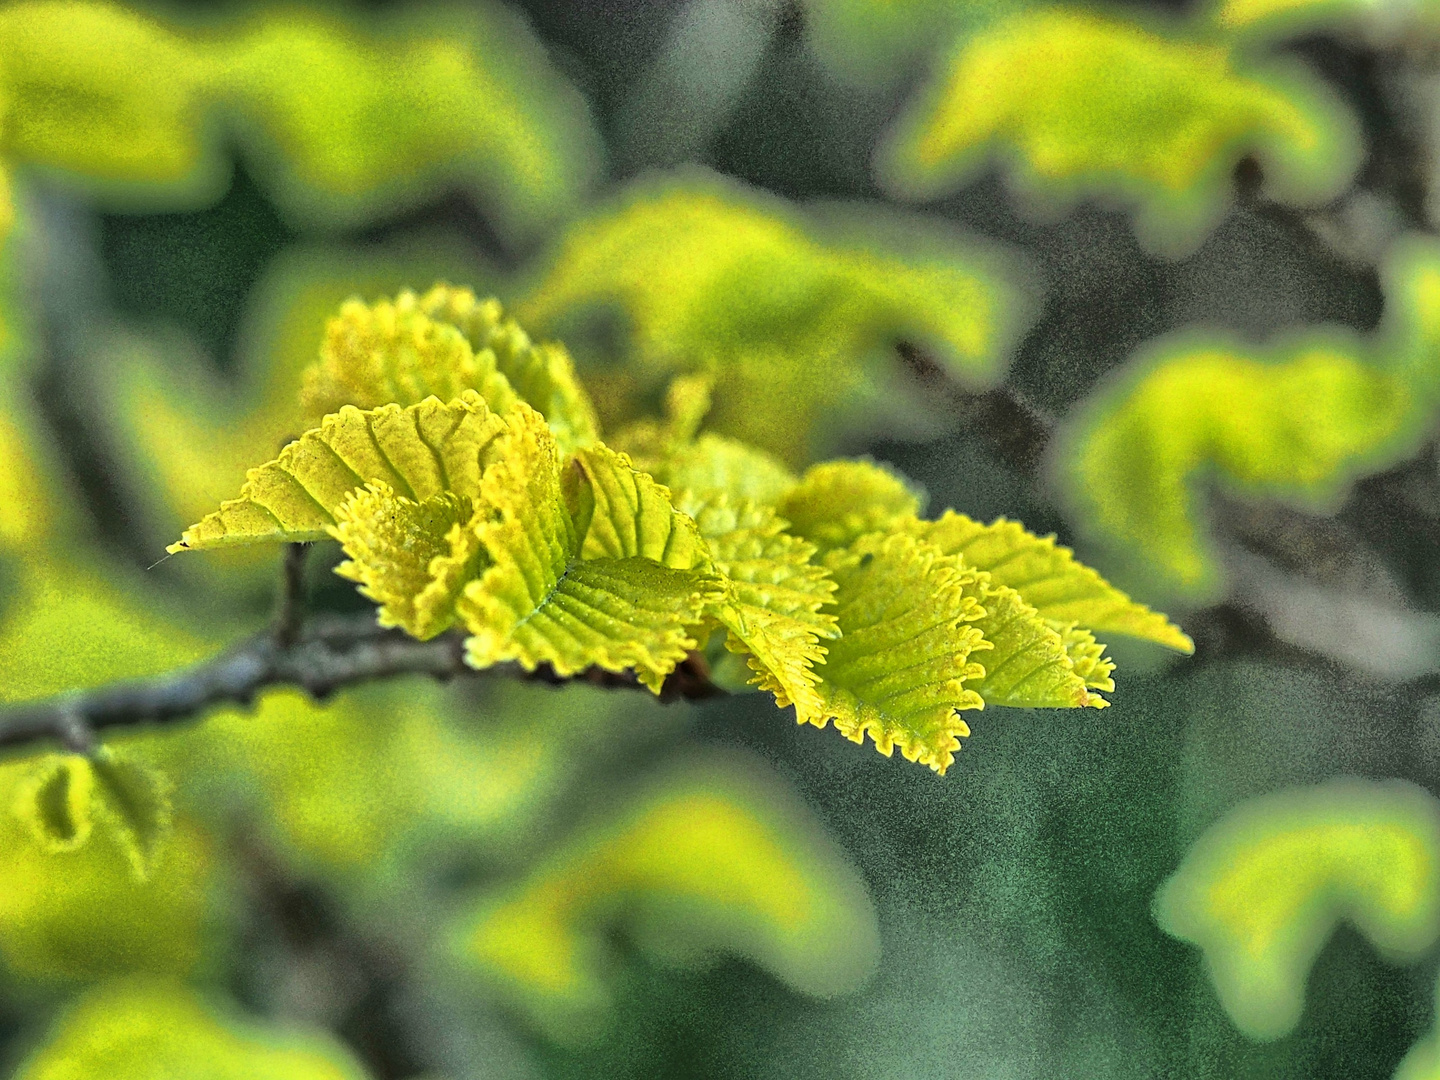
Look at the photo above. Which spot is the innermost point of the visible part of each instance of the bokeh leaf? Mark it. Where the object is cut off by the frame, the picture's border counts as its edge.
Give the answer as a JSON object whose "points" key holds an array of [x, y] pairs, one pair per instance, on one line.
{"points": [[1263, 889], [715, 857], [707, 276], [347, 122], [1078, 104], [141, 1029]]}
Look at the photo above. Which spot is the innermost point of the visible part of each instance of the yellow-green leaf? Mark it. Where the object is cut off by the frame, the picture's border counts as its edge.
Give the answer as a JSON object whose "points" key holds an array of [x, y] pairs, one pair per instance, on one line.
{"points": [[1297, 423], [56, 802], [133, 799], [419, 451], [542, 374], [717, 858], [836, 502], [1048, 577], [344, 123], [442, 344], [899, 669], [1028, 665], [713, 278], [151, 1029], [395, 353], [1087, 657], [1263, 890], [1080, 104], [772, 612], [410, 558], [618, 583]]}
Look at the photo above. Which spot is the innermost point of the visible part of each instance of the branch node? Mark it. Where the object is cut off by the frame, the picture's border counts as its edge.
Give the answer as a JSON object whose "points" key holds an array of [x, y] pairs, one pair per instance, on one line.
{"points": [[75, 731], [290, 608]]}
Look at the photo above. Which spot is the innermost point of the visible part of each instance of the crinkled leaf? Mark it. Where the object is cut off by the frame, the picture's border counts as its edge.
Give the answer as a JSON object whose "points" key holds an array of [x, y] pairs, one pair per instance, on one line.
{"points": [[1081, 104], [713, 278], [394, 352], [1049, 577], [838, 501], [154, 1029], [772, 612], [410, 558], [1087, 657], [899, 669], [682, 458], [619, 584], [442, 344], [1028, 666], [419, 451], [1263, 889], [542, 374]]}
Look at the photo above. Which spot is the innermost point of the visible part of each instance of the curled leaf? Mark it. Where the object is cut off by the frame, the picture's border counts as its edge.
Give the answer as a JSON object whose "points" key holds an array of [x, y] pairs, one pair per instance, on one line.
{"points": [[1263, 890], [907, 648], [56, 802]]}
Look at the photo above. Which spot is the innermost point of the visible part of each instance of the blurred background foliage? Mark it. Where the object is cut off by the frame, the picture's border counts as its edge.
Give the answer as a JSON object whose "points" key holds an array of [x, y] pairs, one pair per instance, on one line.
{"points": [[1160, 278]]}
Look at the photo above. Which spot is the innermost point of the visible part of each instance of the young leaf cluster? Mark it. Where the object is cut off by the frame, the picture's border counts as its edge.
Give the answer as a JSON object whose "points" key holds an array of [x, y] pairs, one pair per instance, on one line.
{"points": [[459, 466]]}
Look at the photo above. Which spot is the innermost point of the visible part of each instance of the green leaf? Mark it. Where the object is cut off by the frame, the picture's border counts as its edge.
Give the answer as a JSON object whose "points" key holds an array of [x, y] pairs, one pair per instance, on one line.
{"points": [[410, 558], [713, 278], [877, 42], [133, 799], [1296, 422], [772, 611], [395, 353], [1028, 665], [836, 502], [898, 671], [150, 1029], [57, 802], [719, 858], [1048, 577], [1087, 657], [1263, 890], [442, 344], [420, 451], [343, 124], [618, 583], [1077, 104], [69, 793], [542, 374]]}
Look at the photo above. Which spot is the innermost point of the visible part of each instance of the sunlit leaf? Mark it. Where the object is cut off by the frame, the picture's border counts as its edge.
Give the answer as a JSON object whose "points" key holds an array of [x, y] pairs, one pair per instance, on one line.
{"points": [[709, 277], [836, 502], [1263, 890], [1049, 577], [1077, 104], [908, 647], [773, 610], [1027, 664], [442, 344], [56, 802], [422, 451], [618, 583], [141, 1029]]}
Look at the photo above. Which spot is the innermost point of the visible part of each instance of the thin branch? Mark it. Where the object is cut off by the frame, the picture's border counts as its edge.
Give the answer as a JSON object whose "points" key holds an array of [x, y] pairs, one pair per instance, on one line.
{"points": [[325, 656], [290, 610]]}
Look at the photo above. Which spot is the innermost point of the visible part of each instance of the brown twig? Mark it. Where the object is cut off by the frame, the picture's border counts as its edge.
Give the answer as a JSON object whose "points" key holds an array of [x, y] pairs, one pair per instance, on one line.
{"points": [[324, 656]]}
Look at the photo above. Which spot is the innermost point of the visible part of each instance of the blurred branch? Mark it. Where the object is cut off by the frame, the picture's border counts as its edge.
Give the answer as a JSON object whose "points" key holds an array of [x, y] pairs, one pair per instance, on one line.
{"points": [[1011, 428], [323, 656]]}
